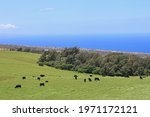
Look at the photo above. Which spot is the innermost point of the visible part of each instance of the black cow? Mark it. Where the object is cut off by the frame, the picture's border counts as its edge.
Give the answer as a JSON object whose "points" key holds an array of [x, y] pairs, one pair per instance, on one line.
{"points": [[76, 77], [42, 84], [90, 80], [97, 79], [91, 75], [84, 80], [38, 78], [23, 77], [42, 75], [46, 81], [141, 77], [18, 86]]}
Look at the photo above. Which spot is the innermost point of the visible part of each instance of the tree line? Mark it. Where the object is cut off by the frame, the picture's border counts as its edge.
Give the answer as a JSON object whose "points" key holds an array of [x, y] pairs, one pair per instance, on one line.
{"points": [[112, 64]]}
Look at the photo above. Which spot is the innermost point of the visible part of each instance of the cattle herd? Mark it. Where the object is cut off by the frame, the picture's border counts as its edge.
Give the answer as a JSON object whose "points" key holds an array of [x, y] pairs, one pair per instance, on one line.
{"points": [[42, 84], [88, 79]]}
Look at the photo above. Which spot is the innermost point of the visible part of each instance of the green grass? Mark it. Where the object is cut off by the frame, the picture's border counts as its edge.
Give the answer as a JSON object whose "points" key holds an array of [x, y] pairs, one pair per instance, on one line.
{"points": [[61, 85]]}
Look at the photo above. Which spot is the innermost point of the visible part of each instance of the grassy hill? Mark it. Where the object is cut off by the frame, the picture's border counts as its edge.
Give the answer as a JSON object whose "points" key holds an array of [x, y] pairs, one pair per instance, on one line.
{"points": [[61, 85]]}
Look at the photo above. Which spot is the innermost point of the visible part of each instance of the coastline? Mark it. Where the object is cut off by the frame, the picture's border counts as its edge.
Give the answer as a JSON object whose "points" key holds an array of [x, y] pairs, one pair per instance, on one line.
{"points": [[102, 52]]}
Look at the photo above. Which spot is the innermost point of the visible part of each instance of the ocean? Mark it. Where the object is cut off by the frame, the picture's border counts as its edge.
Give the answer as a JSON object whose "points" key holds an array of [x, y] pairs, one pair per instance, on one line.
{"points": [[127, 43]]}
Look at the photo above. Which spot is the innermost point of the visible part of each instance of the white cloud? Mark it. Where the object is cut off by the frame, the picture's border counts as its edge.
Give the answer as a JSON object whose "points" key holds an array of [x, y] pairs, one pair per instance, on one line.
{"points": [[46, 9], [7, 26]]}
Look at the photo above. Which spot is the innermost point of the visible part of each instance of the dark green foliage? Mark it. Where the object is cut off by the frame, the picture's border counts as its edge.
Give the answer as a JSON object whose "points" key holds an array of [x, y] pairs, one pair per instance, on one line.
{"points": [[66, 66], [85, 69], [41, 63], [96, 70], [114, 64], [19, 49]]}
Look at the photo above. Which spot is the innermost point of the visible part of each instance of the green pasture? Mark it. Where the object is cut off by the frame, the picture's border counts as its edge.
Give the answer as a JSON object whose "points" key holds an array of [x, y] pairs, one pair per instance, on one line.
{"points": [[62, 85]]}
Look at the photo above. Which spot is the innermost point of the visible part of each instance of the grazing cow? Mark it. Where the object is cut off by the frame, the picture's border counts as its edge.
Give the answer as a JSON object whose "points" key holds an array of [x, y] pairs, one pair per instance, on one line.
{"points": [[46, 81], [42, 75], [90, 80], [42, 84], [38, 78], [23, 77], [91, 75], [97, 79], [76, 77], [84, 80], [18, 86], [141, 77]]}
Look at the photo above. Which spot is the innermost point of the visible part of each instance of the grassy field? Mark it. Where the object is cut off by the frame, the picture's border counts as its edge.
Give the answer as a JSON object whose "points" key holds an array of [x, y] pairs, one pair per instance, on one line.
{"points": [[62, 85]]}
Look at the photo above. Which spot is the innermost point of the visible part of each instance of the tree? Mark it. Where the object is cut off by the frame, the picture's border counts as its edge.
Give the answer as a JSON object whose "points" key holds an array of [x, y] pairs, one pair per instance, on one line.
{"points": [[70, 51], [19, 49], [113, 64]]}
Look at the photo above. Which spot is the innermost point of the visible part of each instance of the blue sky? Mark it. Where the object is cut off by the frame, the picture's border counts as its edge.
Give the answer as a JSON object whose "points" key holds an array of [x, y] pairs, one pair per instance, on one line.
{"points": [[45, 17]]}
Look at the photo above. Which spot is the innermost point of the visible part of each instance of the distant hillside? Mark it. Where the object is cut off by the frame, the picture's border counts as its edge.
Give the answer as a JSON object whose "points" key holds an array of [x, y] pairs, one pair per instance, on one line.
{"points": [[105, 52], [40, 49]]}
